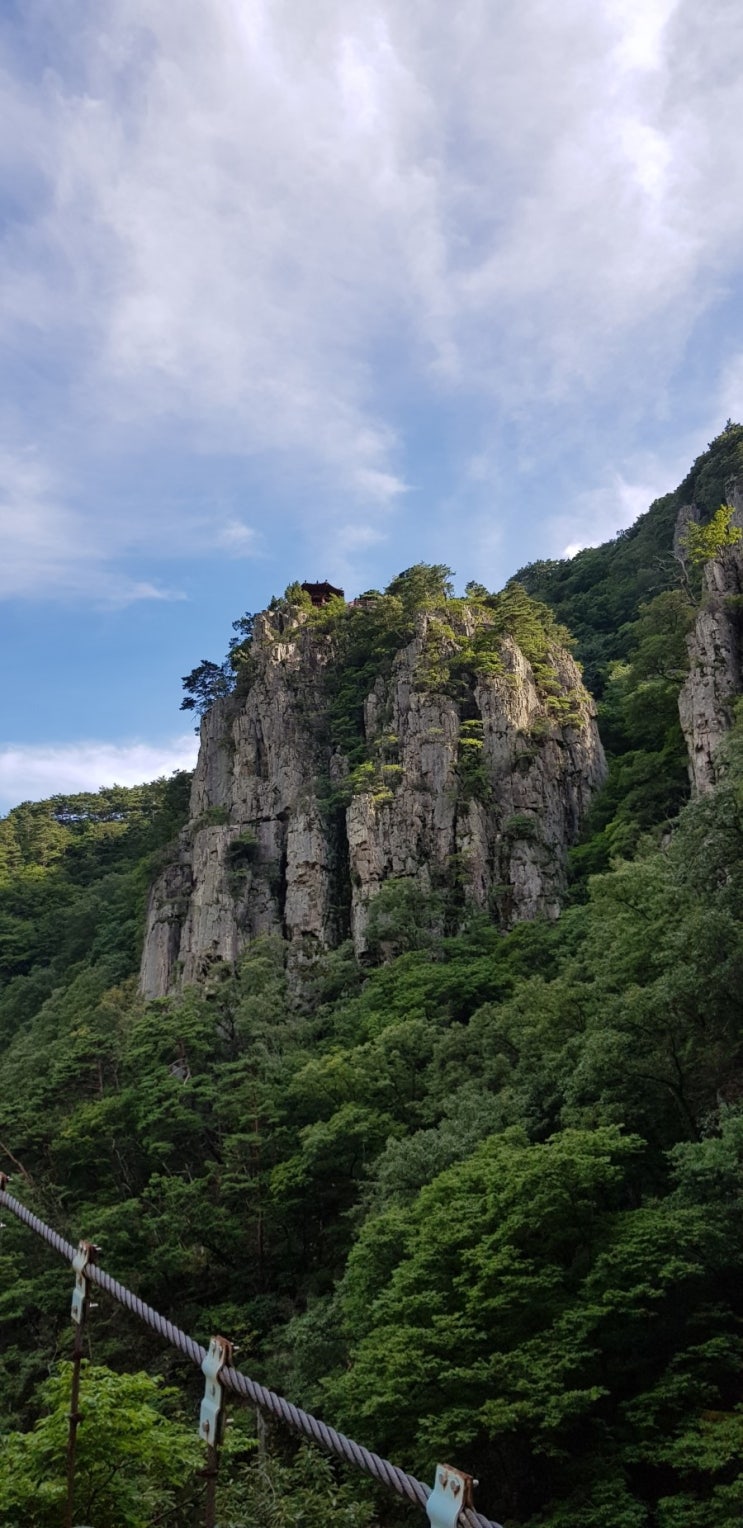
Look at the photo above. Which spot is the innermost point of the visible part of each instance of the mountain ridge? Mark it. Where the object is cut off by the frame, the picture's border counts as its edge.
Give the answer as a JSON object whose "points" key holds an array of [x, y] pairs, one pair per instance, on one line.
{"points": [[473, 1193]]}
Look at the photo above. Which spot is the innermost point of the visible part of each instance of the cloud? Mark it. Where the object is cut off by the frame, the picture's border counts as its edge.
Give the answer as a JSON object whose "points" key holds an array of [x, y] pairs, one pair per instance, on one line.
{"points": [[379, 487], [730, 393], [209, 226], [31, 772], [37, 531], [49, 547], [264, 231], [238, 538], [613, 506]]}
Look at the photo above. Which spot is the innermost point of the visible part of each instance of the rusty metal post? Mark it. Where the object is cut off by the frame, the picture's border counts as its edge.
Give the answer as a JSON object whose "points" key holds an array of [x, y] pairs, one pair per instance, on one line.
{"points": [[211, 1421], [210, 1472], [86, 1254]]}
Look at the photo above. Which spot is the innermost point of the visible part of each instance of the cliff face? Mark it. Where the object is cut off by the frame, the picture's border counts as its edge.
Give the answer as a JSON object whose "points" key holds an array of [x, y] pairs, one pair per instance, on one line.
{"points": [[716, 657], [480, 794]]}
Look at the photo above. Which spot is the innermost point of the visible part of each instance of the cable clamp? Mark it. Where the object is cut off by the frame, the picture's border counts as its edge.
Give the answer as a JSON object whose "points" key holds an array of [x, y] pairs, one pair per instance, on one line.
{"points": [[211, 1416], [451, 1494], [85, 1255]]}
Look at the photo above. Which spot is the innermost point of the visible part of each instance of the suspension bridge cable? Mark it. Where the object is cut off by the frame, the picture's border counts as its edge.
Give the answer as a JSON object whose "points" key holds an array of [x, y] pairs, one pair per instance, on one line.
{"points": [[326, 1437]]}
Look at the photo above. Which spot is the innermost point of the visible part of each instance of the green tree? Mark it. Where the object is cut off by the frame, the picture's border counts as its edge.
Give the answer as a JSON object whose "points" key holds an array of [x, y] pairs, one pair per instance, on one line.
{"points": [[205, 684], [703, 542], [135, 1462], [529, 1315], [424, 586], [306, 1490]]}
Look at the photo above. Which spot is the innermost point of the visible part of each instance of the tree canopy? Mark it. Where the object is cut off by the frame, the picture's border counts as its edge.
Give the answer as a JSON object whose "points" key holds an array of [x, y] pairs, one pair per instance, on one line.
{"points": [[479, 1198], [703, 542]]}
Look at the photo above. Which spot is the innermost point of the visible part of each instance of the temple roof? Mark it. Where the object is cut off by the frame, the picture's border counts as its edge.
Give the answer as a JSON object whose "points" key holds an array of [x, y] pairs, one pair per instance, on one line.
{"points": [[321, 593]]}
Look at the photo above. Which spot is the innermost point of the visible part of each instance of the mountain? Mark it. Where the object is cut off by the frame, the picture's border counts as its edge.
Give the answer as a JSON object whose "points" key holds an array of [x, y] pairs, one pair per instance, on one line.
{"points": [[466, 775], [303, 1045], [599, 592]]}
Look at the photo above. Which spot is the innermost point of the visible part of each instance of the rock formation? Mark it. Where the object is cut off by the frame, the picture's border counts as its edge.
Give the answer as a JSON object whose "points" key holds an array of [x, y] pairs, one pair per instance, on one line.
{"points": [[687, 515], [479, 791], [716, 657]]}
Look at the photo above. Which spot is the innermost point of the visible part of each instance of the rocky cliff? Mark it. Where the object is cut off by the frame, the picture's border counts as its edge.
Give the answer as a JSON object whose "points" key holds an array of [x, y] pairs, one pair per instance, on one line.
{"points": [[716, 657], [477, 765]]}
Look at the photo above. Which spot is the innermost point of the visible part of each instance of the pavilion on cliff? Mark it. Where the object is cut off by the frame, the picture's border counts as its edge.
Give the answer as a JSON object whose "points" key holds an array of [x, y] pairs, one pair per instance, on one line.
{"points": [[321, 593]]}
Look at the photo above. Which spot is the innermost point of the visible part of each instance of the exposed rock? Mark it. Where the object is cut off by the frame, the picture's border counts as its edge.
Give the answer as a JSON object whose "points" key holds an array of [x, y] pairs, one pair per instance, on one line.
{"points": [[510, 844], [169, 903], [716, 658], [734, 496], [265, 852], [687, 515]]}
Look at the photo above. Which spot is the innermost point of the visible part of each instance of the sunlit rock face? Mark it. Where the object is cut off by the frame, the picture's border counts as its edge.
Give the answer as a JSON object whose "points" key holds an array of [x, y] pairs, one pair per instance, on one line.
{"points": [[716, 658], [508, 841], [481, 795]]}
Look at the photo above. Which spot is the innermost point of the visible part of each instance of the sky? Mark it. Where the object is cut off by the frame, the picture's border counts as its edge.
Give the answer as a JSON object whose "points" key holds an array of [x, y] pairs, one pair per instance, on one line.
{"points": [[310, 291]]}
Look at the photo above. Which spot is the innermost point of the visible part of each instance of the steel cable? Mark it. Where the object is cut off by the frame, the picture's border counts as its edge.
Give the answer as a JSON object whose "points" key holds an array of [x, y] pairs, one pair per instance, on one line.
{"points": [[326, 1437]]}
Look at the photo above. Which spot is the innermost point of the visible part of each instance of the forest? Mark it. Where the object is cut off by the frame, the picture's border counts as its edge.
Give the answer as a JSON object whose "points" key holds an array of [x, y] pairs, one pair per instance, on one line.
{"points": [[478, 1200]]}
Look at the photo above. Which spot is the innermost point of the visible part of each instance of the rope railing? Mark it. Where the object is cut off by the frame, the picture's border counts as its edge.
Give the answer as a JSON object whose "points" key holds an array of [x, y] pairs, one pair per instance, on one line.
{"points": [[267, 1401]]}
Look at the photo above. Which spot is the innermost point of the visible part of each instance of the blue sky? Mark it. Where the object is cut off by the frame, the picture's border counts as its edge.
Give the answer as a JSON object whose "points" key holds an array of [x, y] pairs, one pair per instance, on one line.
{"points": [[320, 290]]}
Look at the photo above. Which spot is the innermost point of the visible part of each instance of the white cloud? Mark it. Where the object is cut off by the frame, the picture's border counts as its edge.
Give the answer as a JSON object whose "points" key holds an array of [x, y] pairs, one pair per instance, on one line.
{"points": [[228, 215], [36, 529], [379, 487], [33, 771], [49, 547], [613, 506], [238, 538], [641, 24], [731, 390]]}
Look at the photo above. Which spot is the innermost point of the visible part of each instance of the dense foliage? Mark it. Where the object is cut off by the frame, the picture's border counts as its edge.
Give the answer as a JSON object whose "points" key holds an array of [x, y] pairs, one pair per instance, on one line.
{"points": [[75, 873], [480, 1201], [704, 541], [630, 604], [484, 1201]]}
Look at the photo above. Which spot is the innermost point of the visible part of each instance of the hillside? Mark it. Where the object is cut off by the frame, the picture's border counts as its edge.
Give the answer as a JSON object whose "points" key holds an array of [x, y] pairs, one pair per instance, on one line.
{"points": [[631, 608], [469, 1185], [598, 593]]}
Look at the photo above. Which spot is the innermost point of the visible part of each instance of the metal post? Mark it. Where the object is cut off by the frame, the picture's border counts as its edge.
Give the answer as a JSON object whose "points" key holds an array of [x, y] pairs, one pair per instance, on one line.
{"points": [[451, 1494], [85, 1255], [211, 1420]]}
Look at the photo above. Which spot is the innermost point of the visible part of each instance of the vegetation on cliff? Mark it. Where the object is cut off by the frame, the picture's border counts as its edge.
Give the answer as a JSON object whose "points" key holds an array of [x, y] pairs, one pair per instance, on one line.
{"points": [[483, 1199], [599, 592]]}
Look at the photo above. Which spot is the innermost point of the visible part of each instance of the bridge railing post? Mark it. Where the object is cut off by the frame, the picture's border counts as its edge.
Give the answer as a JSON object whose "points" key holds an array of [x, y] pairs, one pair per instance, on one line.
{"points": [[85, 1255], [449, 1503], [211, 1420]]}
